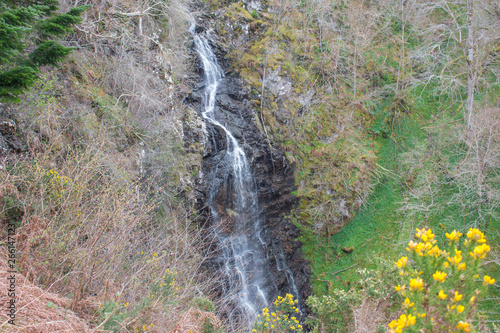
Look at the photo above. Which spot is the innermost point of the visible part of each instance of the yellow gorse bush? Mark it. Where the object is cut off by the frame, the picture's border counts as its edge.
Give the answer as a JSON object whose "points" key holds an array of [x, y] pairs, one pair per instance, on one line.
{"points": [[56, 183], [282, 319], [444, 283]]}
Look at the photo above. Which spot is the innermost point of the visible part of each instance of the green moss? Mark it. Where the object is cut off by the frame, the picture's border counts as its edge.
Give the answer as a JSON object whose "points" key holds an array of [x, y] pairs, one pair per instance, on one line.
{"points": [[242, 12]]}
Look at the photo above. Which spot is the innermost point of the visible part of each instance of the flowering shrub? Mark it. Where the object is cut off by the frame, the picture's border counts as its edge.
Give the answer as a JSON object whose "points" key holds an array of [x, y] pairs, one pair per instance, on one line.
{"points": [[335, 311], [56, 184], [163, 288], [444, 284], [282, 319]]}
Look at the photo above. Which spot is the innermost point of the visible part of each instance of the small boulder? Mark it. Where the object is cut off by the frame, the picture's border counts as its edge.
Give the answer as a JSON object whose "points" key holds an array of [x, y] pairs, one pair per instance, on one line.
{"points": [[347, 249]]}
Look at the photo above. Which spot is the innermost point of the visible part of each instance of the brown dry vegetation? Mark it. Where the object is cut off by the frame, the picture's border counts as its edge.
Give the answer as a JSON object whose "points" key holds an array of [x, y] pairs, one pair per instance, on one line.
{"points": [[37, 309], [194, 320], [88, 232], [96, 178]]}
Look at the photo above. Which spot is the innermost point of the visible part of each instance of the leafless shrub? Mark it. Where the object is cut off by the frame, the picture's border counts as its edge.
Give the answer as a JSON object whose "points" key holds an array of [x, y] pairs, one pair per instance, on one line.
{"points": [[138, 27], [478, 175], [194, 321], [368, 315], [88, 231], [475, 177]]}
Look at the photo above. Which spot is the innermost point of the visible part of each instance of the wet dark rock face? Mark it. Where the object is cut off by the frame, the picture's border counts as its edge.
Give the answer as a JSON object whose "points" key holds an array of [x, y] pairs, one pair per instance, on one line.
{"points": [[273, 176]]}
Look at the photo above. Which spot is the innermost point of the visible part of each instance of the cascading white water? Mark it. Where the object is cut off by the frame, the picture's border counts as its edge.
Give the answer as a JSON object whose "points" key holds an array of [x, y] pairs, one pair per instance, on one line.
{"points": [[242, 260]]}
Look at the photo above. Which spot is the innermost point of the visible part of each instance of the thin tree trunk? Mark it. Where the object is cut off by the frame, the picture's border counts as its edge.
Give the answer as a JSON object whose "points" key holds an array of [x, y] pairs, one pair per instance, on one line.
{"points": [[355, 72], [470, 72], [480, 170]]}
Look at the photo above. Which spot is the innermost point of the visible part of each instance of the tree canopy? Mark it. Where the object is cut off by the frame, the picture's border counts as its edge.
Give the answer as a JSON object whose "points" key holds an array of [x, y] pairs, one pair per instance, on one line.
{"points": [[28, 33]]}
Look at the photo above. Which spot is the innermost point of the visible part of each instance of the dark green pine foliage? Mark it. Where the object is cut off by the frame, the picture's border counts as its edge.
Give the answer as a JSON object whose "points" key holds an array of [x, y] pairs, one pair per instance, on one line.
{"points": [[31, 25]]}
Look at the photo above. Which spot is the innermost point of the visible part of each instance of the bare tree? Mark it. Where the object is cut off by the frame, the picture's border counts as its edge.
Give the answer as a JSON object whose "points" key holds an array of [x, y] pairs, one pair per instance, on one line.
{"points": [[470, 72], [448, 56], [478, 175]]}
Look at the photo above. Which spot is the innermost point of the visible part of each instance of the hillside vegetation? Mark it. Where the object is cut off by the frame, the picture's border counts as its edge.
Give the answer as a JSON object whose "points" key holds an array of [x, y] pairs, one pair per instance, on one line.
{"points": [[95, 176], [389, 111]]}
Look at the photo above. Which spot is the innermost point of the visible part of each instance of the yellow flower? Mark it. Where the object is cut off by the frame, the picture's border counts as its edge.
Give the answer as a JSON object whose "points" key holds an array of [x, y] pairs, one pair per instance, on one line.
{"points": [[403, 321], [408, 304], [476, 235], [463, 326], [457, 258], [402, 262], [454, 235], [488, 280], [434, 252], [419, 248], [425, 235], [480, 251], [411, 246], [428, 247], [457, 297], [416, 284], [399, 288], [439, 276], [446, 264], [471, 301], [411, 320], [393, 327], [442, 295], [460, 308], [461, 267]]}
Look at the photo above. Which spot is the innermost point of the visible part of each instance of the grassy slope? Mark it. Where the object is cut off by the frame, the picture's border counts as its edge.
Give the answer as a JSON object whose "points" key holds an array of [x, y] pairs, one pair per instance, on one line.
{"points": [[381, 228]]}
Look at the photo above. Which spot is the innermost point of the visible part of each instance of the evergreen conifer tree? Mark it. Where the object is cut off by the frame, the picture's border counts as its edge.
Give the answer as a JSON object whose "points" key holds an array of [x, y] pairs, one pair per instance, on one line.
{"points": [[27, 33]]}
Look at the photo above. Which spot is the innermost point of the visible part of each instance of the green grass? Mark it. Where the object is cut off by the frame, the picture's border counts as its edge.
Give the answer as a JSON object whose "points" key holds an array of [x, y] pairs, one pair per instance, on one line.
{"points": [[371, 232], [380, 228]]}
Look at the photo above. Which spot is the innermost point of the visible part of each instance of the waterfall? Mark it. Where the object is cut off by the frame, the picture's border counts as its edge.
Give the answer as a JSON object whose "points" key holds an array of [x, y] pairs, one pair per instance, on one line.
{"points": [[241, 256]]}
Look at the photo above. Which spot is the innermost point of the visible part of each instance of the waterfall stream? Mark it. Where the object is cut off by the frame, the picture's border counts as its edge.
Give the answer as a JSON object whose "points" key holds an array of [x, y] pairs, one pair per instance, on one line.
{"points": [[241, 257]]}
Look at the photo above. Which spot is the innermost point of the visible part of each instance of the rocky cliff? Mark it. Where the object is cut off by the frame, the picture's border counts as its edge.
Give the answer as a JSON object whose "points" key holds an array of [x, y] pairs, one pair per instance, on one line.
{"points": [[273, 175]]}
